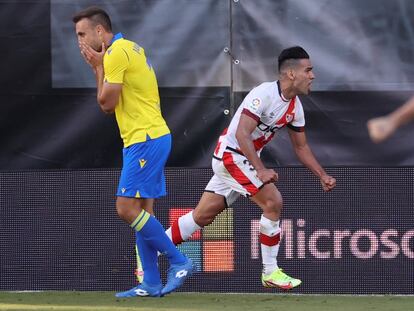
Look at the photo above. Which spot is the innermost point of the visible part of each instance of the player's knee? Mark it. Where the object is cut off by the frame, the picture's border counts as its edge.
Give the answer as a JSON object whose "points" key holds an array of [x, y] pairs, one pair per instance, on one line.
{"points": [[208, 208], [123, 210], [204, 217], [274, 204]]}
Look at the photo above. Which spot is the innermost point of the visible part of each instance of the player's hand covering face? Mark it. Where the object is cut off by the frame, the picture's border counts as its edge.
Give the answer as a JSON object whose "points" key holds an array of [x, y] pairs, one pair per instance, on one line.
{"points": [[92, 57], [89, 34], [90, 42]]}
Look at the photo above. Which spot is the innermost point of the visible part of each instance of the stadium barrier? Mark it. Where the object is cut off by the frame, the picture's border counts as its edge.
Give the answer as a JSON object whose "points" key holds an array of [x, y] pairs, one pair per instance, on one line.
{"points": [[60, 231]]}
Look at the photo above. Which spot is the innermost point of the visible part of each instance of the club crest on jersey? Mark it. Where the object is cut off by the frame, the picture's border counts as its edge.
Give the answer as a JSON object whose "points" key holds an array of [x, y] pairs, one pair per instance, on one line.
{"points": [[289, 117], [254, 105]]}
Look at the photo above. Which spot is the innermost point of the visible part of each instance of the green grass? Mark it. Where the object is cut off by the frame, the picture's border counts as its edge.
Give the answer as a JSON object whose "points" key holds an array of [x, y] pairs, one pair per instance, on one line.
{"points": [[105, 301]]}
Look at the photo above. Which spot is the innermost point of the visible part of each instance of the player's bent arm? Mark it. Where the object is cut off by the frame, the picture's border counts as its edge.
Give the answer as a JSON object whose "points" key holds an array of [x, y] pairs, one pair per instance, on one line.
{"points": [[243, 135], [304, 153], [109, 96]]}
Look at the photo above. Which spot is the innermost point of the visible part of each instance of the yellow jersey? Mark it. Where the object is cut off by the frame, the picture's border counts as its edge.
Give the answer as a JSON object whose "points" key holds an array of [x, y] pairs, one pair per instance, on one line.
{"points": [[138, 112]]}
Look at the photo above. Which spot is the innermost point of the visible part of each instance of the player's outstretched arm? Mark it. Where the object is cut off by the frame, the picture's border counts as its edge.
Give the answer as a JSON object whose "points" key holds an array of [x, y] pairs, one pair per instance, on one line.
{"points": [[381, 128], [305, 155]]}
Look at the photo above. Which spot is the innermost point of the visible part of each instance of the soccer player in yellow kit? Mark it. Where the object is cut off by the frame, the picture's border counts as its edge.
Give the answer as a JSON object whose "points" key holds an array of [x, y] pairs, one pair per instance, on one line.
{"points": [[127, 85]]}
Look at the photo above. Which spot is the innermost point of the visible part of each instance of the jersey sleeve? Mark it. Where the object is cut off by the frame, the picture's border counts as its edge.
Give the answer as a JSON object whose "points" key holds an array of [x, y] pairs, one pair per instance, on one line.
{"points": [[116, 61], [253, 106], [298, 123]]}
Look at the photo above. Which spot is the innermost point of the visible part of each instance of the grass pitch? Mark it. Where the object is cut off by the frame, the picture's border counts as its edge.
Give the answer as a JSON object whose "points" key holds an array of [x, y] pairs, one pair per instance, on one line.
{"points": [[105, 301]]}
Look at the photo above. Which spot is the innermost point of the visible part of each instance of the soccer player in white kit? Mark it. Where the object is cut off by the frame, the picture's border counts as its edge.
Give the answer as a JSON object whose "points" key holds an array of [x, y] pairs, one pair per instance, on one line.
{"points": [[238, 169]]}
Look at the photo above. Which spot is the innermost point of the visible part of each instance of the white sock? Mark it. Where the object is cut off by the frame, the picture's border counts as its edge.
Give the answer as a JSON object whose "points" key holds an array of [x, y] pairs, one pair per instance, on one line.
{"points": [[182, 229], [269, 242]]}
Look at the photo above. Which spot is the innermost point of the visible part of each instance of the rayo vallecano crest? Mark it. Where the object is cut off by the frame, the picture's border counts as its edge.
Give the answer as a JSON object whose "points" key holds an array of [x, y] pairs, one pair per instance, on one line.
{"points": [[289, 117]]}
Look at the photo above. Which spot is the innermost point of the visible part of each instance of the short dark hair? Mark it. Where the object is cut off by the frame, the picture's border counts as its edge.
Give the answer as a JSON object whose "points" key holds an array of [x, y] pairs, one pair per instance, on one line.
{"points": [[96, 15], [294, 52]]}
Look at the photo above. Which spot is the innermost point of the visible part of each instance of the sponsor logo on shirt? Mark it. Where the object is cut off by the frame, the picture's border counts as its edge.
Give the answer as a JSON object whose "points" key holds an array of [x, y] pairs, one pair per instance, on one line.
{"points": [[254, 105], [142, 162]]}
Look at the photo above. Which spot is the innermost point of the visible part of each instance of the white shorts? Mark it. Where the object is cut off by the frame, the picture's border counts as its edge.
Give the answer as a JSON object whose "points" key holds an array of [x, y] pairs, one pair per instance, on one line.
{"points": [[233, 176]]}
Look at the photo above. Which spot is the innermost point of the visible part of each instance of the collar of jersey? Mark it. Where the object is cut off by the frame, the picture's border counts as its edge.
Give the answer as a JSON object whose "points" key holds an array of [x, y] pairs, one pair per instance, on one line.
{"points": [[116, 37], [280, 92]]}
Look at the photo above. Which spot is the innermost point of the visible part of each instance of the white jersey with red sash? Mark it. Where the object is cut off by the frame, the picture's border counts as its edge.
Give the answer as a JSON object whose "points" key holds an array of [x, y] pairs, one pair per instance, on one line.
{"points": [[265, 104]]}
